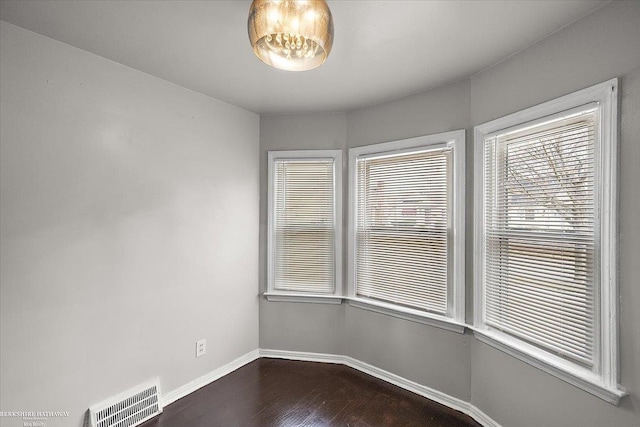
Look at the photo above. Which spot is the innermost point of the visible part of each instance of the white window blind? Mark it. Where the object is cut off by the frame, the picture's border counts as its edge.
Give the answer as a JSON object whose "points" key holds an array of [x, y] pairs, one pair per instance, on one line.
{"points": [[540, 230], [402, 220], [303, 225]]}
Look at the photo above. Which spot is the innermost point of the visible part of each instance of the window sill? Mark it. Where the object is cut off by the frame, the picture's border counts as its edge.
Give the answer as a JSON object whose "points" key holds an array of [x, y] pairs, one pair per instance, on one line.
{"points": [[550, 364], [307, 298], [408, 314], [375, 306]]}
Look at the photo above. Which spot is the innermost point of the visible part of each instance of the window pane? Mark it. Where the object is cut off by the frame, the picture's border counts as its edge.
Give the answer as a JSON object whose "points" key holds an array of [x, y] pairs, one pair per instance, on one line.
{"points": [[402, 223], [540, 235], [304, 225]]}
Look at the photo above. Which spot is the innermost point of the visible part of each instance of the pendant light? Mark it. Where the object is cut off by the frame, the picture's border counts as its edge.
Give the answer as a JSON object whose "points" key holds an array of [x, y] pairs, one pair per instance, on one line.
{"points": [[292, 35]]}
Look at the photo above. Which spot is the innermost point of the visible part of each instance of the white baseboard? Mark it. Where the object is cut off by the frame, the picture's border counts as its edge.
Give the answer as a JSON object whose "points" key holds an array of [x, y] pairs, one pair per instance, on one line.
{"points": [[304, 356], [481, 417], [432, 394], [435, 395], [202, 381]]}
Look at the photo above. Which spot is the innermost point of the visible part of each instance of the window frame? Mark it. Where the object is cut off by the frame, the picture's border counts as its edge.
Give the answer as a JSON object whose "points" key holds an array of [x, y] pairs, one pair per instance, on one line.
{"points": [[456, 140], [601, 381], [273, 294]]}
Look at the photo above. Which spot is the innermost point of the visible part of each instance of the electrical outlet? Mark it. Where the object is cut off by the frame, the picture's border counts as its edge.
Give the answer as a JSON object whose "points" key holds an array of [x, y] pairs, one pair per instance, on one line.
{"points": [[201, 347]]}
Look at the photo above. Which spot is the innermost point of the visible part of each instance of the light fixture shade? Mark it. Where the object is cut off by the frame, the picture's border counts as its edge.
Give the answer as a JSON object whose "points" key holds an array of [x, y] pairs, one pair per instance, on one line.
{"points": [[293, 35]]}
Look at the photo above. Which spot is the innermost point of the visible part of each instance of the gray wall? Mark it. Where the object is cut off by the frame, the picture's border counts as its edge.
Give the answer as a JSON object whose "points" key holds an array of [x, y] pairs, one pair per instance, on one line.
{"points": [[430, 356], [604, 45], [297, 326], [129, 229]]}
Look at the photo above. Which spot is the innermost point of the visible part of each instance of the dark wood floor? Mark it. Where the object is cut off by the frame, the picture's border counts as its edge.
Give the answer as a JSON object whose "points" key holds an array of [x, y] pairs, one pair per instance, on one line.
{"points": [[283, 393]]}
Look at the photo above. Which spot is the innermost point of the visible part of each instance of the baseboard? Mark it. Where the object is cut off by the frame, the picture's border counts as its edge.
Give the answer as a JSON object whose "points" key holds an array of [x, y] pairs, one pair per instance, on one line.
{"points": [[481, 417], [304, 356], [202, 381], [429, 393], [435, 395]]}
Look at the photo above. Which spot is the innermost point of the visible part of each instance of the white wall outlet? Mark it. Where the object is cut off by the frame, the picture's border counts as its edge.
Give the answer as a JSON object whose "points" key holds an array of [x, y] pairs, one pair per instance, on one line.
{"points": [[201, 347]]}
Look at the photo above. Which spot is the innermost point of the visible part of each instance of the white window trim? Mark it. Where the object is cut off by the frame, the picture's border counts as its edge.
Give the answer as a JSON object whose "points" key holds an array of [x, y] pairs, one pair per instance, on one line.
{"points": [[456, 140], [306, 298], [605, 385], [409, 314], [277, 295]]}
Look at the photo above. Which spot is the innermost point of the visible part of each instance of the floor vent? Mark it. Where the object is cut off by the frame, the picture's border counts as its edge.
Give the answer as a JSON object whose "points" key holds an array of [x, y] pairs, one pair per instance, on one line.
{"points": [[128, 409]]}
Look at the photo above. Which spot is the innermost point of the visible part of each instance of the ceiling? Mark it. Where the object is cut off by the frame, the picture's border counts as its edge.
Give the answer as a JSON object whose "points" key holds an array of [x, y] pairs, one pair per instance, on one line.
{"points": [[382, 49]]}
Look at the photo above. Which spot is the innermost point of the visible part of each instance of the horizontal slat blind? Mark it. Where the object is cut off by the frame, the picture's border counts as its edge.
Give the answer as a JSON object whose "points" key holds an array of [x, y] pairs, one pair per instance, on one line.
{"points": [[540, 235], [402, 223], [304, 224]]}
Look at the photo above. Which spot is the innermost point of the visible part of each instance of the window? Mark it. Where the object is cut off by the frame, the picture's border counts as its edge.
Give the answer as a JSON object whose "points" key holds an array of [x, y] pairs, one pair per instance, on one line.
{"points": [[406, 250], [545, 236], [304, 224]]}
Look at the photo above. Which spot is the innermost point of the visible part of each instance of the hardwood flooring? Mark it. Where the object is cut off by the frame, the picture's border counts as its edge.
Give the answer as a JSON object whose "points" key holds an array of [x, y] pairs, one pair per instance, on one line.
{"points": [[283, 393]]}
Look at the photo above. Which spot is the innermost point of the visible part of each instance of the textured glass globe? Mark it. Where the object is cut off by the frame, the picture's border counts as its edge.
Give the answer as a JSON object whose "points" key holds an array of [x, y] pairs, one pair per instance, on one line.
{"points": [[293, 35]]}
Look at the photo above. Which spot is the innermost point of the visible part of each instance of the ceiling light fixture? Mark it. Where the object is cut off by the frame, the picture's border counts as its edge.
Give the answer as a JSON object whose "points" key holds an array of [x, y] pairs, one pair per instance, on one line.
{"points": [[292, 35]]}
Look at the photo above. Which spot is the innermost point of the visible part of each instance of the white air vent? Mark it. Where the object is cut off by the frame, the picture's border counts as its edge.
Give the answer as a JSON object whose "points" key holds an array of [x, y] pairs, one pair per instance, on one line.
{"points": [[128, 409]]}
